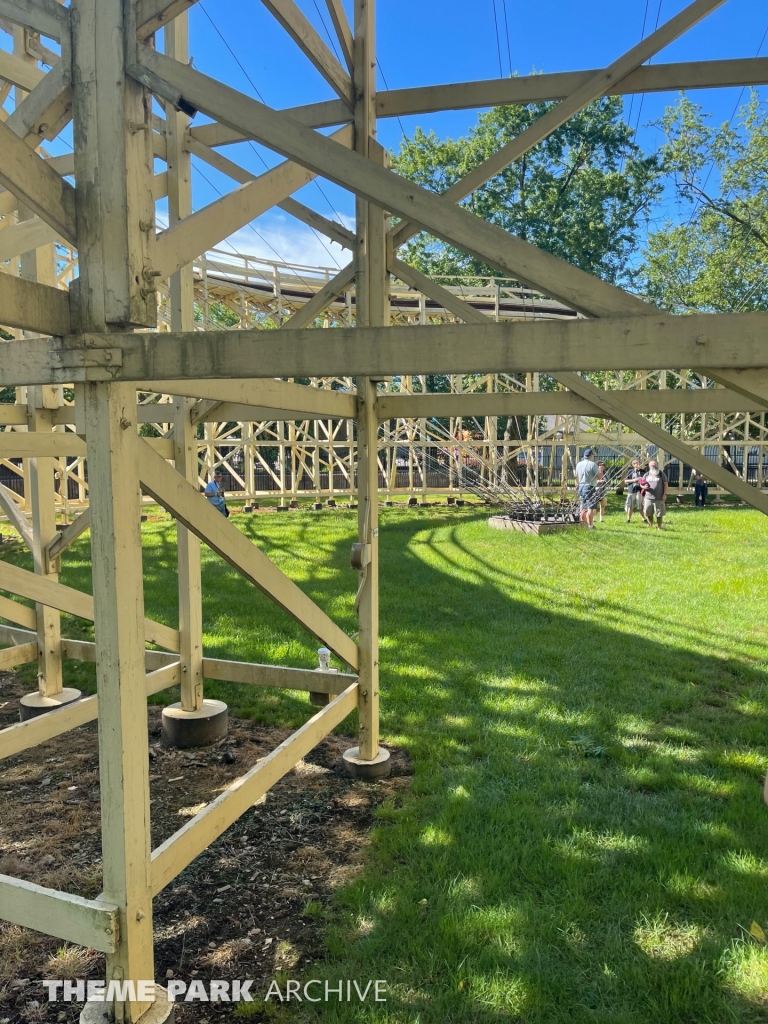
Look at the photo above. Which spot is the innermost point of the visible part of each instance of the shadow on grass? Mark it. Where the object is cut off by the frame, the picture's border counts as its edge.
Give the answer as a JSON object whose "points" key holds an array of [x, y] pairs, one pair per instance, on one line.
{"points": [[585, 836]]}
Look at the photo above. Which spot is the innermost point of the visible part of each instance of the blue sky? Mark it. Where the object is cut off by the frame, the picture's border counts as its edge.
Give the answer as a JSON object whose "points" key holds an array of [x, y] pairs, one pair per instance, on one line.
{"points": [[422, 42]]}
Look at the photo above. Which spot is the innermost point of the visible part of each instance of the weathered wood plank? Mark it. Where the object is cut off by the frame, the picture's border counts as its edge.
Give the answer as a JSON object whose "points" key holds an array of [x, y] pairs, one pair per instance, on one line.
{"points": [[36, 184], [33, 306], [89, 923]]}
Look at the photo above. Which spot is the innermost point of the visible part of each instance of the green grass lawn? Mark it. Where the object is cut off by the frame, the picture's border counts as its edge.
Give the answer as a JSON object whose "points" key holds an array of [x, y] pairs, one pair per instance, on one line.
{"points": [[585, 839]]}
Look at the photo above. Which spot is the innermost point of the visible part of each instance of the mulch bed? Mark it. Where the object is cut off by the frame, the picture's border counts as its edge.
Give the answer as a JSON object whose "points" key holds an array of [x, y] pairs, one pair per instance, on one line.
{"points": [[251, 905]]}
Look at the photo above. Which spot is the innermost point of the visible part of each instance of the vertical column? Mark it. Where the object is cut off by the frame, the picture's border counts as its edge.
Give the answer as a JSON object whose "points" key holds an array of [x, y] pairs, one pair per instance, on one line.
{"points": [[115, 289], [369, 760]]}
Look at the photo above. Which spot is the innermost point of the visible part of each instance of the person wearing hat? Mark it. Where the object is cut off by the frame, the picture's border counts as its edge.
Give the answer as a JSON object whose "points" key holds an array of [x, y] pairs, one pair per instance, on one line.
{"points": [[586, 476], [214, 492]]}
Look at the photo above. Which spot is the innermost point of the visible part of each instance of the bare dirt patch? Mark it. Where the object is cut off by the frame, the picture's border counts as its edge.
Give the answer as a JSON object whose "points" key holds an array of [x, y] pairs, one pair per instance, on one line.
{"points": [[253, 904]]}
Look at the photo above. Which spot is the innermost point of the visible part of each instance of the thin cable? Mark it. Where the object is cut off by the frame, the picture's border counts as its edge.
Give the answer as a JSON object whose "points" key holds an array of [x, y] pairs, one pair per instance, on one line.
{"points": [[506, 29], [498, 40], [331, 40], [642, 37], [386, 86]]}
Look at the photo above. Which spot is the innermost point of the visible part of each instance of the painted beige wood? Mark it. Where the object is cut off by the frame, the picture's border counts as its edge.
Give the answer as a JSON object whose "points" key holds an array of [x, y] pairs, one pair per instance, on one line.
{"points": [[41, 495], [343, 31], [163, 677], [152, 15], [18, 72], [74, 602], [170, 858], [23, 237], [16, 517], [185, 241], [46, 110], [196, 513], [611, 406], [24, 735], [733, 340], [118, 586], [328, 227], [580, 98], [44, 16], [307, 313], [65, 538], [21, 654], [281, 676], [16, 612], [90, 923], [36, 184], [36, 307], [275, 395], [453, 303], [704, 74], [324, 114], [19, 444], [753, 384], [563, 403], [309, 42], [188, 561], [447, 221]]}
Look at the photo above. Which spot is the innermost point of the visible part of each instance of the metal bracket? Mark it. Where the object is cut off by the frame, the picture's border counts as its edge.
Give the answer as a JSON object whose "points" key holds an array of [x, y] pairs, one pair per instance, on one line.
{"points": [[360, 556]]}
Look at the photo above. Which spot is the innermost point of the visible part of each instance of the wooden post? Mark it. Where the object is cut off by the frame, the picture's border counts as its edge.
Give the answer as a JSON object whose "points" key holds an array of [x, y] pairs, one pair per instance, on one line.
{"points": [[372, 299], [115, 222], [185, 433]]}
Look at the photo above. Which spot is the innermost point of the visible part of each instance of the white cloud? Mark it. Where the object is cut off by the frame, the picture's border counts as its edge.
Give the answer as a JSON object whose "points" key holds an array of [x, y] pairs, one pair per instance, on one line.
{"points": [[287, 240]]}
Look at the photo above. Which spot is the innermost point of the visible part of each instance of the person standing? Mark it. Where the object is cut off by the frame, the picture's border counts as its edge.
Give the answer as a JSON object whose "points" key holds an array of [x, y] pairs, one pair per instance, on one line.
{"points": [[700, 491], [214, 492], [655, 494], [586, 478], [634, 490]]}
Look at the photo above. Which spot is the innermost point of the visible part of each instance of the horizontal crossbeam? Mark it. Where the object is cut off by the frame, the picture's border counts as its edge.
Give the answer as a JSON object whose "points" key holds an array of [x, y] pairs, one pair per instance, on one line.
{"points": [[277, 395], [36, 184], [44, 16], [33, 306], [89, 923]]}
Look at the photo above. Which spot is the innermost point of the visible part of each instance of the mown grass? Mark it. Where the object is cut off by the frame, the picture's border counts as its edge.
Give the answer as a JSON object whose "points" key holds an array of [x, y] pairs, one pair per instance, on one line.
{"points": [[585, 839]]}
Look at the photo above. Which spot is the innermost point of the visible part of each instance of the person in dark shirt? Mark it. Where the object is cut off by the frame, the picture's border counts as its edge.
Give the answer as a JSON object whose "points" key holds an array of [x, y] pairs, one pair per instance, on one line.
{"points": [[634, 490], [655, 494], [700, 491]]}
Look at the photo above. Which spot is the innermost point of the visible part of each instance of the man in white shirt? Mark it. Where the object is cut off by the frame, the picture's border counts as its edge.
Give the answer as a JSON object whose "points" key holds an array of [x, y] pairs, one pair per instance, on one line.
{"points": [[586, 477]]}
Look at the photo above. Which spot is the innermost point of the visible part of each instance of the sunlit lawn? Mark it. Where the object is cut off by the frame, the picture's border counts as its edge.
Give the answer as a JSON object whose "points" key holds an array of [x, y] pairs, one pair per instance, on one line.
{"points": [[585, 838]]}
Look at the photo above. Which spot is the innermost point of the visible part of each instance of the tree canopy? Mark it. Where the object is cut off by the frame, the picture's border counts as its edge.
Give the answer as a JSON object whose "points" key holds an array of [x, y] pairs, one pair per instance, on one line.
{"points": [[713, 256], [583, 194]]}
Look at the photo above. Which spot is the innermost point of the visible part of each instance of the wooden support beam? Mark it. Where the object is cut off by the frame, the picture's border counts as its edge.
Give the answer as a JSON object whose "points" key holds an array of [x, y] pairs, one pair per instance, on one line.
{"points": [[22, 614], [325, 114], [44, 16], [180, 244], [74, 602], [728, 340], [45, 110], [488, 242], [65, 538], [19, 72], [301, 30], [21, 654], [558, 115], [15, 516], [280, 676], [328, 227], [705, 74], [561, 403], [753, 384], [33, 306], [172, 856], [196, 513], [24, 237], [36, 184], [90, 923], [343, 31], [152, 15], [686, 453], [27, 445], [321, 299], [276, 395]]}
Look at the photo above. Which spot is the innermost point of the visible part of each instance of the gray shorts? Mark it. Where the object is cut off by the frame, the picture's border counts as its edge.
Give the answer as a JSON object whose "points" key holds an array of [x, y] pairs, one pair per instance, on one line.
{"points": [[651, 506], [633, 501]]}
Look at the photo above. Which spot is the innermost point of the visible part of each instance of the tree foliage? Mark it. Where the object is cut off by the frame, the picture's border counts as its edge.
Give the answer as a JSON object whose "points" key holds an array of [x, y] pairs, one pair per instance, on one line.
{"points": [[713, 256], [583, 193]]}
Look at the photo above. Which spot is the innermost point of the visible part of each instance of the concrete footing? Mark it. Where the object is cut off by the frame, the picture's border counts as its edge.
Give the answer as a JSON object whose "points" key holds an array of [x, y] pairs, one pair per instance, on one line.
{"points": [[201, 728], [317, 505], [160, 1012], [538, 528], [33, 704], [378, 768]]}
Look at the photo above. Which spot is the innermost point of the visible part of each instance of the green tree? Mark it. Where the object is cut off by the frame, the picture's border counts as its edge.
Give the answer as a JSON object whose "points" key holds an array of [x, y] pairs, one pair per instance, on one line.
{"points": [[713, 256], [583, 194]]}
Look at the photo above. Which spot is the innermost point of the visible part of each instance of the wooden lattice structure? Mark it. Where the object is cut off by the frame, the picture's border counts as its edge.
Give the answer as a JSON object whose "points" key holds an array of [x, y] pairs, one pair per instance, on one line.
{"points": [[100, 337]]}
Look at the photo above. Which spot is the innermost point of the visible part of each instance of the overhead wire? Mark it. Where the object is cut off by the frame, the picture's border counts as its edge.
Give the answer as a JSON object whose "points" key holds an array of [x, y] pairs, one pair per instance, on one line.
{"points": [[498, 40], [506, 29]]}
